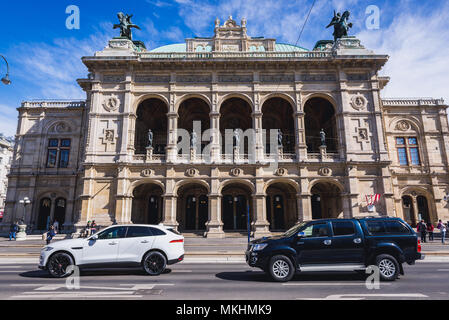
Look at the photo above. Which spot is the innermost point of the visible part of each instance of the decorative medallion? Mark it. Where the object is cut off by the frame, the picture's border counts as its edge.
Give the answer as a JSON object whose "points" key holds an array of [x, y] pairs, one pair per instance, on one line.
{"points": [[403, 125], [236, 172], [147, 173], [363, 134], [111, 104], [192, 172], [359, 102], [325, 172], [281, 172]]}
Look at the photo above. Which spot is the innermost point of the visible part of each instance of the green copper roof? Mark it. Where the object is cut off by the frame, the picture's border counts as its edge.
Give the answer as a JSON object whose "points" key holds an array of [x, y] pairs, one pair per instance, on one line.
{"points": [[181, 47]]}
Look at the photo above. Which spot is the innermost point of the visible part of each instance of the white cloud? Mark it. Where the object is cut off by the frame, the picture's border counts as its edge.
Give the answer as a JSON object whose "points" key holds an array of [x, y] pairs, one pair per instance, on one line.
{"points": [[8, 120], [418, 50]]}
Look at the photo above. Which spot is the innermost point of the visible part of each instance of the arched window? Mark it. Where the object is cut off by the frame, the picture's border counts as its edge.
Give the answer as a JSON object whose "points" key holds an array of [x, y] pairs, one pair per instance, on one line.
{"points": [[151, 115]]}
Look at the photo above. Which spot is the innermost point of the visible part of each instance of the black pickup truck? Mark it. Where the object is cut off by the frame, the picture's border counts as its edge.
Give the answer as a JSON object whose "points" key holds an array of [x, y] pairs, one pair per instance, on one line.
{"points": [[338, 245]]}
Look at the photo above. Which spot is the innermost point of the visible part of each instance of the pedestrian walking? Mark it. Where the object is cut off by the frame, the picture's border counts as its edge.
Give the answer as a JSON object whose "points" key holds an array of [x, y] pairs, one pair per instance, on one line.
{"points": [[50, 234], [422, 228], [13, 229], [87, 230], [56, 226], [430, 229], [442, 227]]}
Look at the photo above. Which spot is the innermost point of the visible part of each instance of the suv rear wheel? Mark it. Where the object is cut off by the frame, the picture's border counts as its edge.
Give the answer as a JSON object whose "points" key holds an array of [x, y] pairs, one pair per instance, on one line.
{"points": [[388, 267], [154, 263], [281, 268]]}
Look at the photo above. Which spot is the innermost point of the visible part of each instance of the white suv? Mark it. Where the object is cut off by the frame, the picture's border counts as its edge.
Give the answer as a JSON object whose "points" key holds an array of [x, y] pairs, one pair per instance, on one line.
{"points": [[149, 246]]}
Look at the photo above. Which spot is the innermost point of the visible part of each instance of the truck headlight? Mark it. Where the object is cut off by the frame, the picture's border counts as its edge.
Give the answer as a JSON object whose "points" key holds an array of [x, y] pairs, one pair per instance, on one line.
{"points": [[259, 247]]}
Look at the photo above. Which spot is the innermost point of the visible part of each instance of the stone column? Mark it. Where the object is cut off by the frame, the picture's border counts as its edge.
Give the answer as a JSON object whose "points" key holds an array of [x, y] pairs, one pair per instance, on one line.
{"points": [[347, 200], [259, 147], [261, 226], [215, 139], [215, 224], [171, 150], [415, 209], [300, 136], [170, 210], [304, 207], [123, 209]]}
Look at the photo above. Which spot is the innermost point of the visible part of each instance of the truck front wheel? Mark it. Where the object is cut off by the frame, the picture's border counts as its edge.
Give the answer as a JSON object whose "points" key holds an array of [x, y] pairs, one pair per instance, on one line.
{"points": [[281, 268], [388, 267]]}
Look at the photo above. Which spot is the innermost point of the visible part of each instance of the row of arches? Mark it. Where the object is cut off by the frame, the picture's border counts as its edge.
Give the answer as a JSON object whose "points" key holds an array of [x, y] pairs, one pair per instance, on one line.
{"points": [[236, 113], [236, 205]]}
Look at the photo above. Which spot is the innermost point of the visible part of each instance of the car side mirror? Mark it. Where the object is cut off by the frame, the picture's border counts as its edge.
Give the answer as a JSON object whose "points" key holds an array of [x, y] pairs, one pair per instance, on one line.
{"points": [[94, 237]]}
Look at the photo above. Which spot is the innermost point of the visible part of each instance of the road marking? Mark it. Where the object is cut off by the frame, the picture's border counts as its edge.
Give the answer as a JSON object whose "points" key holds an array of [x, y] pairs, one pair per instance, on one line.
{"points": [[181, 271], [330, 284], [443, 270], [76, 295], [364, 296]]}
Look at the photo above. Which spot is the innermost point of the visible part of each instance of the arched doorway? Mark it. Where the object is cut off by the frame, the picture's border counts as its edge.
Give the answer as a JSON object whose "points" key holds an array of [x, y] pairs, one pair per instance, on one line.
{"points": [[281, 206], [147, 204], [236, 202], [409, 210], [193, 207], [151, 115], [235, 113], [326, 201], [43, 219], [423, 209], [278, 114], [60, 210], [320, 114], [190, 111]]}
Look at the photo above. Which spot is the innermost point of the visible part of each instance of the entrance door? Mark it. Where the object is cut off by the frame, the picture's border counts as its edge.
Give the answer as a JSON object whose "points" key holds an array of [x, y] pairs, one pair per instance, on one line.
{"points": [[235, 213], [153, 210], [44, 214], [60, 211], [423, 209], [316, 207], [203, 212]]}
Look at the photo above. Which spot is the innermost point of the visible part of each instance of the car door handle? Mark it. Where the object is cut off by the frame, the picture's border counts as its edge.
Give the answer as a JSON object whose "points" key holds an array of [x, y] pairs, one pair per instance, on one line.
{"points": [[357, 241], [112, 243], [300, 242], [145, 241], [327, 242]]}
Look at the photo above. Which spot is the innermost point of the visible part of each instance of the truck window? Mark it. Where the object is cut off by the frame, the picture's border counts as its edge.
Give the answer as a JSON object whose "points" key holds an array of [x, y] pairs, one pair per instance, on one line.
{"points": [[396, 227], [375, 227], [343, 228], [316, 231]]}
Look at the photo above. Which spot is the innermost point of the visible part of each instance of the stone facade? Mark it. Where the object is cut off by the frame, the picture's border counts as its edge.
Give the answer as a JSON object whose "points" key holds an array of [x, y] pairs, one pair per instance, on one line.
{"points": [[235, 82], [6, 152]]}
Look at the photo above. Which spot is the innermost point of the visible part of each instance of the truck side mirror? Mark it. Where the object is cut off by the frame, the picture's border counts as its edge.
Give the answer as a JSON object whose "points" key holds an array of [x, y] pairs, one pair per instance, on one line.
{"points": [[301, 234]]}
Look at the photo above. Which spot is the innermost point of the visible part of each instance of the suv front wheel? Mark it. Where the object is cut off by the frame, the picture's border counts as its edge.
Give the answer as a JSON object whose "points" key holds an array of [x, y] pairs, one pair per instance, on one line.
{"points": [[281, 268], [388, 267]]}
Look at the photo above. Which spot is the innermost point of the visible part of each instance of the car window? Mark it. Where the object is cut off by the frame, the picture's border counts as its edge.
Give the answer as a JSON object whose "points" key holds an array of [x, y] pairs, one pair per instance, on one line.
{"points": [[157, 232], [138, 232], [316, 231], [375, 227], [113, 233], [343, 228], [396, 227]]}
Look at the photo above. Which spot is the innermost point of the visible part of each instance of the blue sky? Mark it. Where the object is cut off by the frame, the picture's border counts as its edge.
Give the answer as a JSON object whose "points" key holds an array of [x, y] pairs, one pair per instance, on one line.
{"points": [[44, 55]]}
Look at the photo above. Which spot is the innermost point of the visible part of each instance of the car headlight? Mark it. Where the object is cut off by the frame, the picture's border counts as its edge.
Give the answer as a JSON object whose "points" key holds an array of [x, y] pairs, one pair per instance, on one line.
{"points": [[259, 247], [47, 249]]}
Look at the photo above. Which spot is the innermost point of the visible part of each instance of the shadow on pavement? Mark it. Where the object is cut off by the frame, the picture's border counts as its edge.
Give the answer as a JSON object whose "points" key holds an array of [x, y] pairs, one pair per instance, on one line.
{"points": [[93, 272], [255, 276]]}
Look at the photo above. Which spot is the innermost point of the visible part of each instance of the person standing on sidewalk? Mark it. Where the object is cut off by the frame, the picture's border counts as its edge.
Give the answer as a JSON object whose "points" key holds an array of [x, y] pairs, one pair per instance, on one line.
{"points": [[430, 229], [13, 230], [422, 228], [93, 227], [442, 227]]}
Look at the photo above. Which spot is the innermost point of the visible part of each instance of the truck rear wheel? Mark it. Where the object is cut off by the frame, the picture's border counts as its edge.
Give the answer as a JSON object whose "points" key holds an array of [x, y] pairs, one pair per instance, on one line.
{"points": [[281, 268], [388, 267]]}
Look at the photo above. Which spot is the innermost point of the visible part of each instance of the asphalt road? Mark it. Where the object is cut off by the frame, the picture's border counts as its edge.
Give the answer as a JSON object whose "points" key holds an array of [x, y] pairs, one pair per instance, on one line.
{"points": [[21, 280]]}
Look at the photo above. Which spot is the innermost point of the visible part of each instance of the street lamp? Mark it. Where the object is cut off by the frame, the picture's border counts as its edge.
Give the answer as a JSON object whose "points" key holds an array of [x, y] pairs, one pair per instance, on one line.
{"points": [[21, 235], [6, 79]]}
